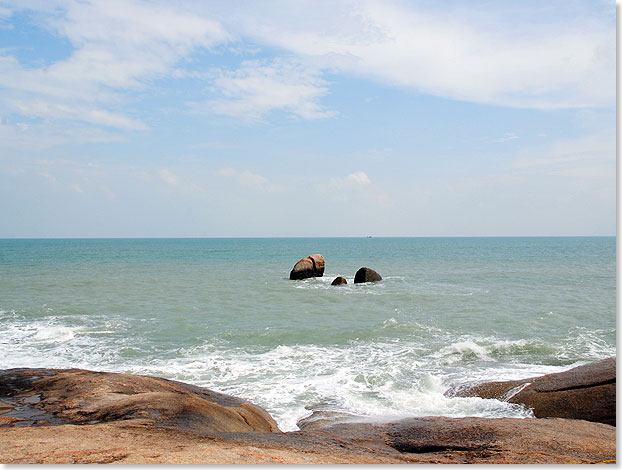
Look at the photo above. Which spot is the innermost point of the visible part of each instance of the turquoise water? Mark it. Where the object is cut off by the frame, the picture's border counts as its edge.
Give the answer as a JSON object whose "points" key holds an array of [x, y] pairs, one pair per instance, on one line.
{"points": [[222, 313]]}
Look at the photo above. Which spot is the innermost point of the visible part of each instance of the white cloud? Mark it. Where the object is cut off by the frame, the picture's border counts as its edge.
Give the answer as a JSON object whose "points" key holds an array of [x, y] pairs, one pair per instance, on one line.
{"points": [[359, 178], [35, 136], [584, 161], [256, 88], [46, 108], [5, 11], [183, 184], [356, 186], [77, 189], [214, 144], [246, 178], [117, 46], [169, 177], [506, 137], [511, 54], [143, 175], [353, 180], [50, 178], [522, 54]]}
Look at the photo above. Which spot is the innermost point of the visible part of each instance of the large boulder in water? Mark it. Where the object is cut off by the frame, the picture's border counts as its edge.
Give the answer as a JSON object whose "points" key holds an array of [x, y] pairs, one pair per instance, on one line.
{"points": [[366, 275], [586, 392], [311, 266], [338, 281]]}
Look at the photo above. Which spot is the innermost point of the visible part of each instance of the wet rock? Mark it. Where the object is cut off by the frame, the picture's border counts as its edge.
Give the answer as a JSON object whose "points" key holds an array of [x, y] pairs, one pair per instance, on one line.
{"points": [[311, 266], [339, 281], [366, 275], [81, 396], [586, 392]]}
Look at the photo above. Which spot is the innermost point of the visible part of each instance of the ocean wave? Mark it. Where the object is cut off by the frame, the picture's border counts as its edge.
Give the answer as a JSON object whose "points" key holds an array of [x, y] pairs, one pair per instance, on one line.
{"points": [[462, 351], [369, 380], [8, 313], [468, 349], [325, 284], [587, 344], [54, 334], [232, 321], [394, 369], [59, 341]]}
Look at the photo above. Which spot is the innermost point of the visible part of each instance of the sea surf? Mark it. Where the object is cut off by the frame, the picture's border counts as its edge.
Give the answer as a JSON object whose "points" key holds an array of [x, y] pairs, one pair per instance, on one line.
{"points": [[222, 313]]}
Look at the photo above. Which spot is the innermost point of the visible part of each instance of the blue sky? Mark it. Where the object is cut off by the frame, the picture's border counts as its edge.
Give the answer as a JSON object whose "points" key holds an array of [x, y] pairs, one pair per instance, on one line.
{"points": [[307, 118]]}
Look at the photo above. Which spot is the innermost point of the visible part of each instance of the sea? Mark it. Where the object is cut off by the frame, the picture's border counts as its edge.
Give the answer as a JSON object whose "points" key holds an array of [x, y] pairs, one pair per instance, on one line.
{"points": [[223, 314]]}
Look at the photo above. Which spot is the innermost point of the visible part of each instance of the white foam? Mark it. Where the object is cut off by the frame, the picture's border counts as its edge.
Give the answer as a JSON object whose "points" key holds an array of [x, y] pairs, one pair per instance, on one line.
{"points": [[372, 380], [56, 341], [459, 351], [325, 283], [589, 344], [54, 334], [515, 391], [377, 379]]}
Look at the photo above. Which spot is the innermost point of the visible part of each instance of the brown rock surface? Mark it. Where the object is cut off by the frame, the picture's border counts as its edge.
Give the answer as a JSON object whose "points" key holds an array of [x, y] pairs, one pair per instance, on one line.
{"points": [[77, 416], [487, 440], [76, 396], [586, 392], [311, 266], [338, 281]]}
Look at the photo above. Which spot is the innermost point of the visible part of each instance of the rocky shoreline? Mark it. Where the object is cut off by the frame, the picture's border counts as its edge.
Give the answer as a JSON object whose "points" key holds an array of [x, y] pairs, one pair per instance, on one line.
{"points": [[80, 416], [586, 392]]}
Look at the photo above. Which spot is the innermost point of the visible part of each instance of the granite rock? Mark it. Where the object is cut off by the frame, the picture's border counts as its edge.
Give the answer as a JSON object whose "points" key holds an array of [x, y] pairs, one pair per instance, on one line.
{"points": [[76, 396], [311, 266], [586, 392], [78, 416], [366, 275]]}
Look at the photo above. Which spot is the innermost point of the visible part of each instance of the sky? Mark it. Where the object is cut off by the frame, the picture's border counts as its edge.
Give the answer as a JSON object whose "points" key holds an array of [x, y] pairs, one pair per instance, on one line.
{"points": [[307, 118]]}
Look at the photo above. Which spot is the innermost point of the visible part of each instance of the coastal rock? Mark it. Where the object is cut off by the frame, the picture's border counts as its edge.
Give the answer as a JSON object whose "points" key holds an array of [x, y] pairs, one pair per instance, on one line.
{"points": [[325, 418], [76, 396], [487, 440], [339, 281], [586, 392], [366, 275], [311, 266], [77, 416]]}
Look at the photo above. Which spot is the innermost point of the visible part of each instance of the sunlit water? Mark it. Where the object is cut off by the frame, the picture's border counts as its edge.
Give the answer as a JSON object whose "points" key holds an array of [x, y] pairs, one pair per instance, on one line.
{"points": [[222, 313]]}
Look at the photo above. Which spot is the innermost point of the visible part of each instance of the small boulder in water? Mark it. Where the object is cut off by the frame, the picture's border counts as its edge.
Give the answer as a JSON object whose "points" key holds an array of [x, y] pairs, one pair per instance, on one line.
{"points": [[339, 281], [366, 275], [311, 266]]}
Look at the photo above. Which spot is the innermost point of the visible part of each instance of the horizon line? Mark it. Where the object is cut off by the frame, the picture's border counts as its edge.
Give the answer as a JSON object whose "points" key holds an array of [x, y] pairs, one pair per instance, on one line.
{"points": [[301, 237]]}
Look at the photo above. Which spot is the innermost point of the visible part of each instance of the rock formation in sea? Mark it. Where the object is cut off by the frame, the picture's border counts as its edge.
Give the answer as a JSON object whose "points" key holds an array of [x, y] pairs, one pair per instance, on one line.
{"points": [[366, 275], [338, 281], [586, 392], [311, 266]]}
